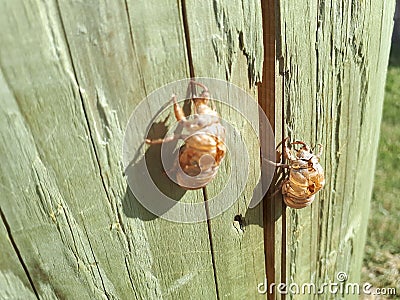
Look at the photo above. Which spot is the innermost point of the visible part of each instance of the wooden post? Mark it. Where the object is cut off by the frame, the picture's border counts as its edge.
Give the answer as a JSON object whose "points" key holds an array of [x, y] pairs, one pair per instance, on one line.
{"points": [[71, 73], [396, 29], [335, 58]]}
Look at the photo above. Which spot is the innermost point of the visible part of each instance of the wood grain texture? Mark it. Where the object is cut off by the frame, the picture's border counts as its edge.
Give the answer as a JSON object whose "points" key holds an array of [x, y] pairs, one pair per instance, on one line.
{"points": [[72, 73], [335, 57], [230, 48], [74, 85]]}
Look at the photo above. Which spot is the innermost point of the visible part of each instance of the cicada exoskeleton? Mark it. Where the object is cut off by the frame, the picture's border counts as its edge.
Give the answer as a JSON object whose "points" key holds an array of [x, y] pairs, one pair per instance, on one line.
{"points": [[305, 175], [204, 142]]}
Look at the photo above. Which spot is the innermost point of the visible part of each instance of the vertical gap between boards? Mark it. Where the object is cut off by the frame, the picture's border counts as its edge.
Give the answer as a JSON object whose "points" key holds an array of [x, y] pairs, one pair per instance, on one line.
{"points": [[273, 207], [205, 197]]}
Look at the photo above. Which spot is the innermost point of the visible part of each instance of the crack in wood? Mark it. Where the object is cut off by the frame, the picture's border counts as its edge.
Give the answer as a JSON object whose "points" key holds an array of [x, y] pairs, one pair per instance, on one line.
{"points": [[95, 260], [210, 240], [130, 278], [134, 48], [72, 235], [89, 129], [272, 205], [205, 198], [187, 38], [16, 249], [85, 110]]}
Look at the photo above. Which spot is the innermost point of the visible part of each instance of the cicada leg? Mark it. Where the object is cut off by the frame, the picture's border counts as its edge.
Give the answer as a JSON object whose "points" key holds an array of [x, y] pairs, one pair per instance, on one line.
{"points": [[278, 188], [277, 164], [205, 92], [178, 111], [213, 105], [320, 150], [180, 117], [166, 139], [282, 142], [286, 154], [286, 151]]}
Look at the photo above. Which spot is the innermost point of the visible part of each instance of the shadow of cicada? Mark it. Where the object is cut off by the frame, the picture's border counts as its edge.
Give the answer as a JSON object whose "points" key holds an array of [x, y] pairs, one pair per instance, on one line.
{"points": [[152, 163]]}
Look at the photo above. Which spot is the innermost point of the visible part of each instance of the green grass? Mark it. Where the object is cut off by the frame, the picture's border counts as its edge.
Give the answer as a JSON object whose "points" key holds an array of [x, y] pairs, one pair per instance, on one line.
{"points": [[382, 251]]}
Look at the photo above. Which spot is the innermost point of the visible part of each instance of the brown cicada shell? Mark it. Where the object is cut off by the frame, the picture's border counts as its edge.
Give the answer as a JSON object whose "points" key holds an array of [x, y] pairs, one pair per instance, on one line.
{"points": [[204, 148], [305, 177]]}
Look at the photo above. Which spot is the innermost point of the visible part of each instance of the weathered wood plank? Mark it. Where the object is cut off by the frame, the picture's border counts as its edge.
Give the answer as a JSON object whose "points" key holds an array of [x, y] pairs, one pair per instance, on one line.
{"points": [[226, 40], [73, 82], [72, 73], [41, 221], [154, 55], [336, 58]]}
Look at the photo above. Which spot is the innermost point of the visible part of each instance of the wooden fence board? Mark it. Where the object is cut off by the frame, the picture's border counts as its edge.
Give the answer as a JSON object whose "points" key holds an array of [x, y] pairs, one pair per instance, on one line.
{"points": [[228, 48], [71, 74], [75, 70], [336, 68]]}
